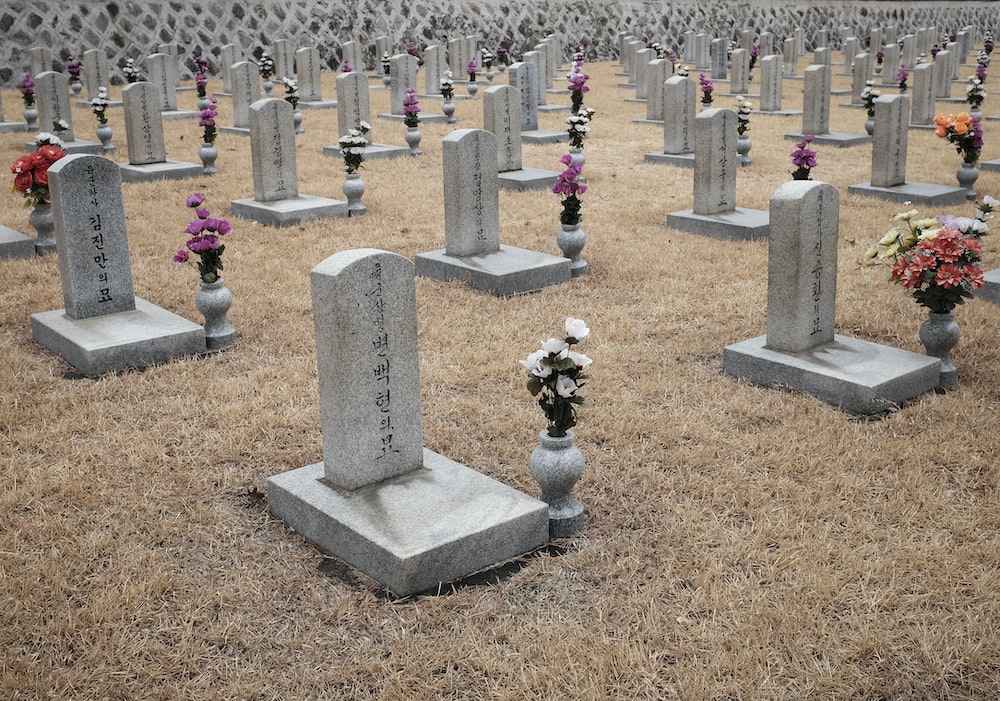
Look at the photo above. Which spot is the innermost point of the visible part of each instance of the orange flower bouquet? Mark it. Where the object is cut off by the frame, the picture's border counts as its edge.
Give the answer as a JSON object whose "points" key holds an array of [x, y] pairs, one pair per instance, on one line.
{"points": [[962, 130]]}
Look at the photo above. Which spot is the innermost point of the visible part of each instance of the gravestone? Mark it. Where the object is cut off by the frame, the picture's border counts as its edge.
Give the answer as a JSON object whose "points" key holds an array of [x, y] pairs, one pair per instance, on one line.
{"points": [[172, 52], [800, 349], [766, 43], [889, 146], [875, 40], [103, 326], [680, 105], [161, 75], [657, 74], [282, 52], [473, 253], [823, 38], [52, 101], [352, 109], [689, 50], [403, 75], [719, 55], [276, 200], [642, 59], [816, 112], [954, 59], [790, 57], [246, 91], [908, 55], [739, 83], [435, 65], [822, 57], [537, 58], [544, 69], [502, 118], [850, 47], [436, 520], [227, 59], [40, 59], [770, 87], [353, 53], [383, 46], [715, 213], [458, 59], [147, 156], [96, 74], [310, 80], [924, 38], [890, 64], [523, 75], [631, 50], [14, 245], [942, 75], [800, 40], [745, 39], [859, 78], [922, 96], [702, 45]]}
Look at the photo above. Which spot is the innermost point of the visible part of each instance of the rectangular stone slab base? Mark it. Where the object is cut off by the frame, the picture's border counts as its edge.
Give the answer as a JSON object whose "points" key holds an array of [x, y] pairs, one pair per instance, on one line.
{"points": [[413, 532], [858, 376], [834, 139], [682, 160], [527, 179], [740, 224], [14, 244], [926, 194], [504, 273], [289, 212], [167, 170], [139, 338]]}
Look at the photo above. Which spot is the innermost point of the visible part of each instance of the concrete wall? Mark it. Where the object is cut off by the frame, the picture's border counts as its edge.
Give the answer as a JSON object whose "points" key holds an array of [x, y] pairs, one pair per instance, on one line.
{"points": [[133, 29]]}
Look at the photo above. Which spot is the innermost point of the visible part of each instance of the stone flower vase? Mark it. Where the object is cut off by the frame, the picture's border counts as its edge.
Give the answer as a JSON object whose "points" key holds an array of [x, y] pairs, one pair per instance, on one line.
{"points": [[448, 107], [31, 117], [413, 137], [870, 126], [297, 121], [571, 241], [204, 103], [213, 300], [43, 220], [208, 153], [268, 87], [76, 85], [967, 175], [577, 158], [104, 134], [743, 146], [473, 88], [939, 334], [557, 465], [354, 188]]}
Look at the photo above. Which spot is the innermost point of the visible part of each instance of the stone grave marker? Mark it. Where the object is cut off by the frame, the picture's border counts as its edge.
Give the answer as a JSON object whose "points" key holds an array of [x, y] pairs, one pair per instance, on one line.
{"points": [[715, 213], [745, 39], [766, 43], [631, 49], [52, 101], [719, 55], [642, 59], [282, 51], [383, 46], [7, 127], [823, 38], [942, 75], [770, 87], [908, 56], [954, 59], [657, 74], [537, 58], [790, 57], [352, 109], [889, 147], [403, 73], [310, 79], [458, 60], [103, 326], [689, 50], [702, 46], [502, 118], [523, 75], [816, 111], [277, 200], [890, 64], [172, 52], [96, 73], [40, 59], [352, 52], [800, 349], [227, 59], [435, 65], [147, 155], [437, 520], [246, 91], [739, 83], [680, 105], [850, 48], [922, 96], [162, 72], [822, 57], [473, 253], [860, 76], [544, 69], [875, 40], [800, 40]]}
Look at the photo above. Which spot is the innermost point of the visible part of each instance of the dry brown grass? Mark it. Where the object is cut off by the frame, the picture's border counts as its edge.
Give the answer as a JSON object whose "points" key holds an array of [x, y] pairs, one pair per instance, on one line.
{"points": [[741, 543]]}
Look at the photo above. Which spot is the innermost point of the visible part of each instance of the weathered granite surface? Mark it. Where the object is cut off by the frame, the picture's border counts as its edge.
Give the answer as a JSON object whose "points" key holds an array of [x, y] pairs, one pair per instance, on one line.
{"points": [[128, 29]]}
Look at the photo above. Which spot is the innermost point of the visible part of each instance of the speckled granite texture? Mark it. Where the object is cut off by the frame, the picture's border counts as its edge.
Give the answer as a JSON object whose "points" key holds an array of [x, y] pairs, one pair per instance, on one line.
{"points": [[133, 29]]}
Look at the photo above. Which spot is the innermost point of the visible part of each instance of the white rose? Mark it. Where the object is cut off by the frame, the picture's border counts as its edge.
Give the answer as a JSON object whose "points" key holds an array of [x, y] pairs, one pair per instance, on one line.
{"points": [[565, 386], [579, 359], [555, 345], [576, 328]]}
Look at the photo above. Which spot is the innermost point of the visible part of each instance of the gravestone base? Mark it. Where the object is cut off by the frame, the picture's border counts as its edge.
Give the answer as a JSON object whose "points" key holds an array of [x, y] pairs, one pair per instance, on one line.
{"points": [[238, 131], [558, 91], [317, 104], [682, 160], [993, 165], [656, 122], [833, 138], [372, 151], [542, 136], [167, 170], [927, 194], [840, 91], [86, 104], [503, 273], [425, 117], [636, 99], [926, 127], [779, 113], [138, 338], [289, 212], [14, 244], [858, 376], [169, 115], [527, 179], [740, 224], [990, 291], [222, 94], [555, 108], [413, 532], [627, 86], [12, 127], [72, 148], [744, 95]]}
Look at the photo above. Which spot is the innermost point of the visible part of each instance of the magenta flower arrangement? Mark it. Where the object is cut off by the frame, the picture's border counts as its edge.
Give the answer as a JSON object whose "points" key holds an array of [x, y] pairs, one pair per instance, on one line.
{"points": [[706, 88], [411, 49], [73, 67], [345, 67], [989, 42], [471, 70], [880, 54], [205, 242], [200, 73], [981, 68], [411, 109], [577, 80], [568, 186], [206, 120], [754, 54], [902, 75], [803, 158], [503, 55], [27, 88]]}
